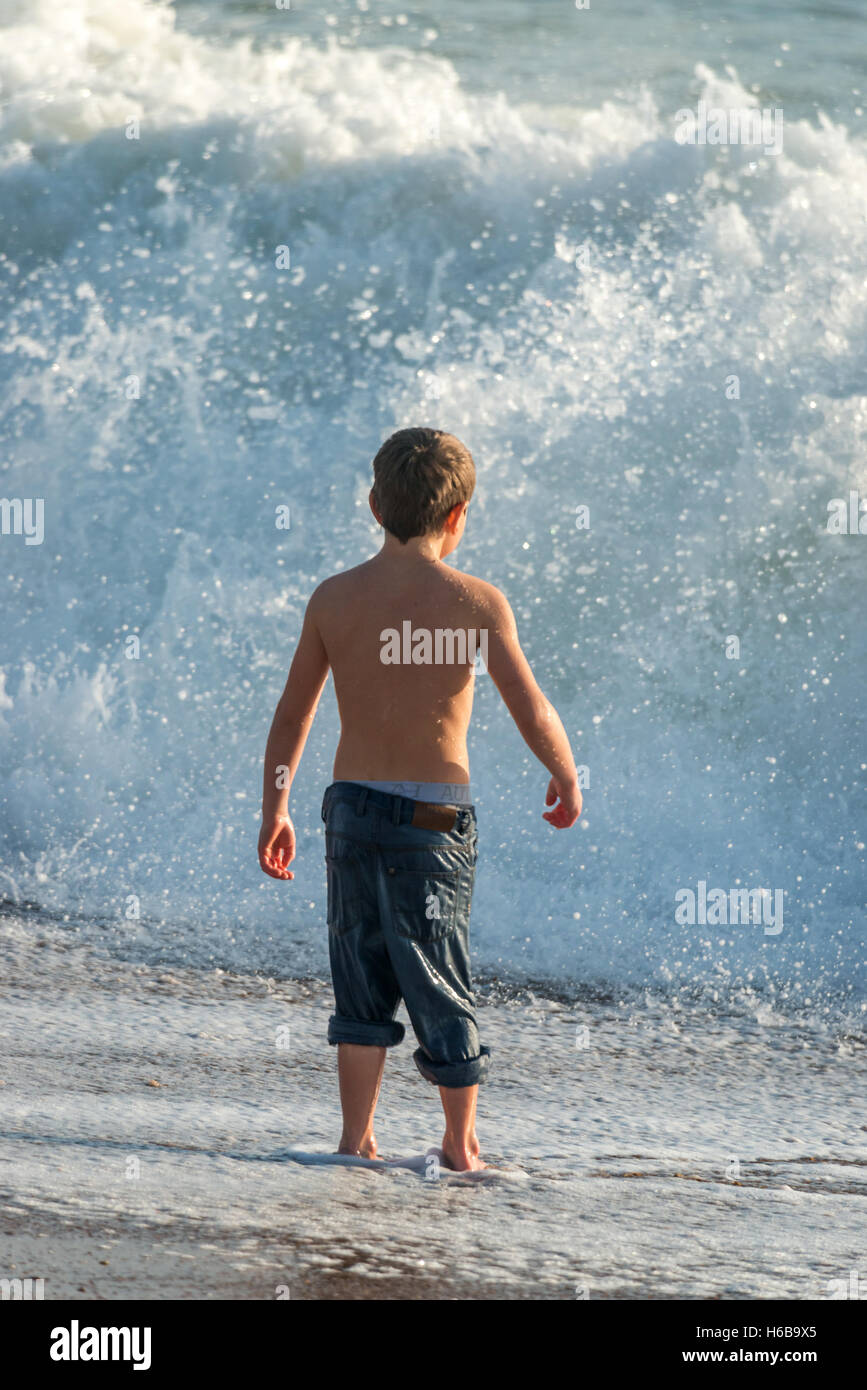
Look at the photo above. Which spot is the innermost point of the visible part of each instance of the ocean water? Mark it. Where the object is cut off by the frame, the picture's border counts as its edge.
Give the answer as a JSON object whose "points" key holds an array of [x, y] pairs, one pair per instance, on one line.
{"points": [[490, 228]]}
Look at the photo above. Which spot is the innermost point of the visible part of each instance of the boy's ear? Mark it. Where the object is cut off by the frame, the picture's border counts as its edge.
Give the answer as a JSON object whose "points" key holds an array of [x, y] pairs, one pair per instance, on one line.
{"points": [[372, 500], [454, 516]]}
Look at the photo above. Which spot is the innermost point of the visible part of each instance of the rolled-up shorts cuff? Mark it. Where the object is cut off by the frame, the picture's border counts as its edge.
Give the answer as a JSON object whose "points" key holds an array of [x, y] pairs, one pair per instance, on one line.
{"points": [[470, 1073], [353, 1030]]}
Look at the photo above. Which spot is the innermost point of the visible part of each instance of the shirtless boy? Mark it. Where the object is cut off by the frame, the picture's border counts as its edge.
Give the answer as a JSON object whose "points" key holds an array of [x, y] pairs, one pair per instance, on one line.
{"points": [[400, 633]]}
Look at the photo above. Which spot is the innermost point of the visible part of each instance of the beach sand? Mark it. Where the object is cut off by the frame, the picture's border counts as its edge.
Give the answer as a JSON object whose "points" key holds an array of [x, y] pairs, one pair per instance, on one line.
{"points": [[615, 1151]]}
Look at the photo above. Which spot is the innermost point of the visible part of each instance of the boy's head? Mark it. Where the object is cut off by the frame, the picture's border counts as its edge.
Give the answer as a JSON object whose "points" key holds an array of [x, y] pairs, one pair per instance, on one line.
{"points": [[422, 482]]}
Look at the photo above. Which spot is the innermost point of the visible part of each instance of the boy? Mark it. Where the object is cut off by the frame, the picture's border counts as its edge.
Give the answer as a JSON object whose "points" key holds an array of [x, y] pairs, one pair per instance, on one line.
{"points": [[400, 634]]}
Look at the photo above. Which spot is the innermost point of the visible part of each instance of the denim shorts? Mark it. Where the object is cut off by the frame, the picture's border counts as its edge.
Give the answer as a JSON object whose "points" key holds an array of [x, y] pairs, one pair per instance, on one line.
{"points": [[398, 928]]}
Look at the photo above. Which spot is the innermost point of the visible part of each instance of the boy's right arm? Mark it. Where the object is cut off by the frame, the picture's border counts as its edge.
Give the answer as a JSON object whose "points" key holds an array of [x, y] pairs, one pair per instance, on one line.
{"points": [[535, 716], [289, 730]]}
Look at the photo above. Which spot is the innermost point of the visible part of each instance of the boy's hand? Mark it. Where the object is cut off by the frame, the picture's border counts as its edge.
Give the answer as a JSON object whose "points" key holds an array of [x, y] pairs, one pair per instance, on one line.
{"points": [[568, 809], [277, 847]]}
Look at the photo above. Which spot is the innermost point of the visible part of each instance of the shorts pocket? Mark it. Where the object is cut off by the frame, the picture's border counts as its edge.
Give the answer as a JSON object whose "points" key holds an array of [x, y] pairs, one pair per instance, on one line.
{"points": [[349, 899], [424, 902]]}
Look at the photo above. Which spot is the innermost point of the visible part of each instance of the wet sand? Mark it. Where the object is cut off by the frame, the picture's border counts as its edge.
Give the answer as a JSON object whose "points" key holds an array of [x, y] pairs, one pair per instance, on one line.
{"points": [[673, 1154]]}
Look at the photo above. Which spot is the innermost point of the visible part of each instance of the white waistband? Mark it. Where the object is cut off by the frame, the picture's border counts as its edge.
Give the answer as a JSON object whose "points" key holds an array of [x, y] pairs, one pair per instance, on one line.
{"points": [[446, 793]]}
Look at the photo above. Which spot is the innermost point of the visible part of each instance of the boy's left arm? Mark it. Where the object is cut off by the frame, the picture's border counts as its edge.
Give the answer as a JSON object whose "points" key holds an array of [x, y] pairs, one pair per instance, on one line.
{"points": [[289, 730]]}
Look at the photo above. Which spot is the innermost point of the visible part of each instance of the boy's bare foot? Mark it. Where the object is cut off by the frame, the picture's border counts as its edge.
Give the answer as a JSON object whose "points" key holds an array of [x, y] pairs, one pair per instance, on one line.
{"points": [[360, 1069], [460, 1149], [366, 1149], [461, 1158]]}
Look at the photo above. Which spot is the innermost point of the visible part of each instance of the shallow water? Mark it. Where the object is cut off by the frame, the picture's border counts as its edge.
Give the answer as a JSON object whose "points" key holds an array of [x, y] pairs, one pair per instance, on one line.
{"points": [[147, 1117]]}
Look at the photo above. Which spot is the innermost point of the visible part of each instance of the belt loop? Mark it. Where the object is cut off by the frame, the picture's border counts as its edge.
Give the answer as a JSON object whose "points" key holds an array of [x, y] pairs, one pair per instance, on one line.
{"points": [[362, 801], [396, 810]]}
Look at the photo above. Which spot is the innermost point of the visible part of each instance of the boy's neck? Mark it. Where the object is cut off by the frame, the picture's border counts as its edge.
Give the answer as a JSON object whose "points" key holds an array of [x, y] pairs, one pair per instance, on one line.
{"points": [[417, 550]]}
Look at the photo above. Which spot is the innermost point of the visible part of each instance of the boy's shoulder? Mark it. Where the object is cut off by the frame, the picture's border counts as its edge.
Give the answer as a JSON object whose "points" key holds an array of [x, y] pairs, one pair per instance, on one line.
{"points": [[361, 574], [331, 589], [469, 587], [483, 595]]}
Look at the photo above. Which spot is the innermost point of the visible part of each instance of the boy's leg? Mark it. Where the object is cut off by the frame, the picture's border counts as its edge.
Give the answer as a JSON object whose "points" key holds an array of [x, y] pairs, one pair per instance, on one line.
{"points": [[366, 993], [360, 1071], [425, 887], [460, 1145]]}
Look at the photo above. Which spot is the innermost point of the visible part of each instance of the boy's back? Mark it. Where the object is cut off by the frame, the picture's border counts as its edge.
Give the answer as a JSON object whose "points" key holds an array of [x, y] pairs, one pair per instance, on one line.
{"points": [[402, 719]]}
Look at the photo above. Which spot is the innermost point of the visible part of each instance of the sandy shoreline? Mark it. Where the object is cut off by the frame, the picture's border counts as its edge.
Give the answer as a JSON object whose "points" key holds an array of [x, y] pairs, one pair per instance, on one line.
{"points": [[113, 1188]]}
